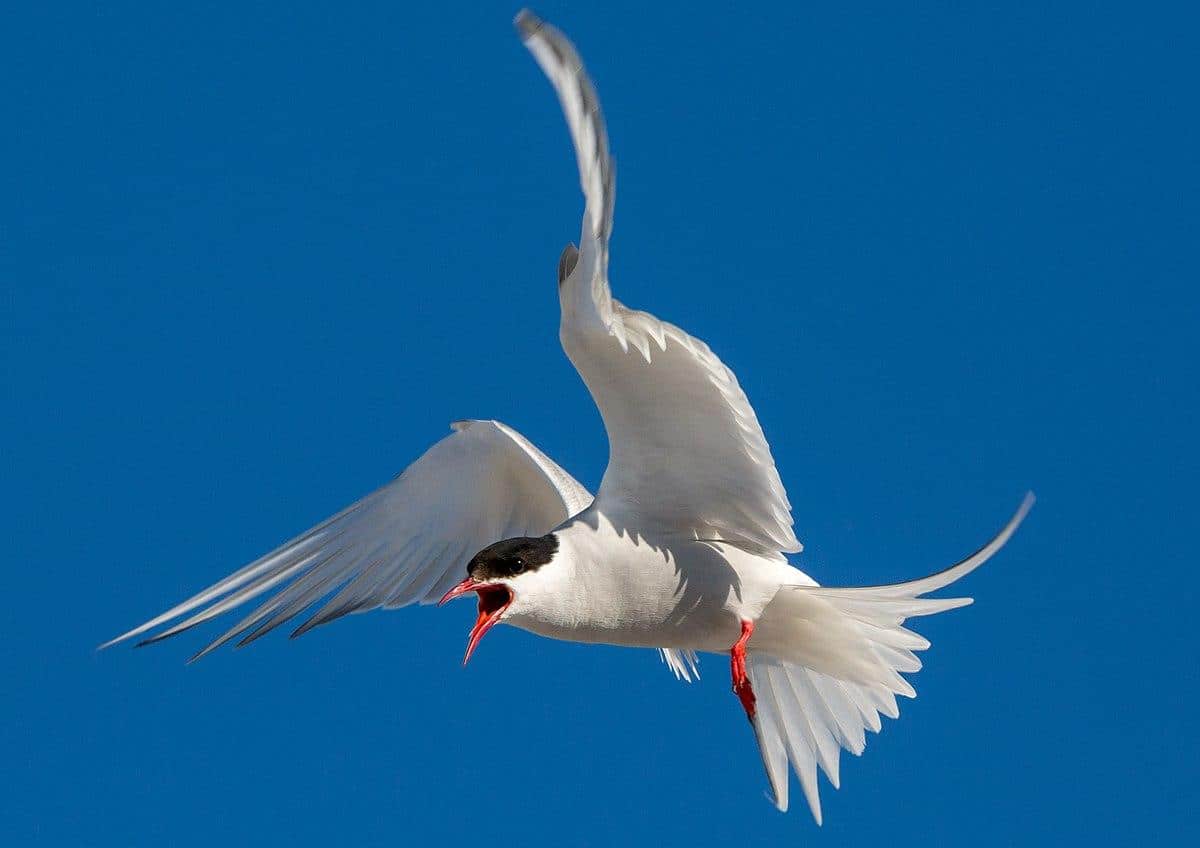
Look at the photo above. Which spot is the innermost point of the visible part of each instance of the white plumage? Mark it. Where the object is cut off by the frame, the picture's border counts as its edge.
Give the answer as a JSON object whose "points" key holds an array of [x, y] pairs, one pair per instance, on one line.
{"points": [[404, 543], [681, 549]]}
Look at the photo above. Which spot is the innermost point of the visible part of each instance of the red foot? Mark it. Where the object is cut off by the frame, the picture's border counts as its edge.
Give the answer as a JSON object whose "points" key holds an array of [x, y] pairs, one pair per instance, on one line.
{"points": [[737, 665]]}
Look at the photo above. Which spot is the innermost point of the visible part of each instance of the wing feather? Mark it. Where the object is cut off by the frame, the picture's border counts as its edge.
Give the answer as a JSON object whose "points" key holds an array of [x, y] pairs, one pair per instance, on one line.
{"points": [[686, 452], [401, 544]]}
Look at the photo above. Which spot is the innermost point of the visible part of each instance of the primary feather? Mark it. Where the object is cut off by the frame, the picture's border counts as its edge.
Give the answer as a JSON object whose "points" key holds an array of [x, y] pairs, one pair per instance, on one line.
{"points": [[404, 543]]}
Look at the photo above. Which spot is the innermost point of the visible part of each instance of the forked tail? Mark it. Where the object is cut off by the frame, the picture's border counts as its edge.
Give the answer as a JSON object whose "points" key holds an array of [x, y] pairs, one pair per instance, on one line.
{"points": [[826, 662]]}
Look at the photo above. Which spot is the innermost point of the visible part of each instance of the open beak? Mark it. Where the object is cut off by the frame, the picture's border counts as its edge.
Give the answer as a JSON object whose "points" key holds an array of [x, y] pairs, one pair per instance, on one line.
{"points": [[494, 599]]}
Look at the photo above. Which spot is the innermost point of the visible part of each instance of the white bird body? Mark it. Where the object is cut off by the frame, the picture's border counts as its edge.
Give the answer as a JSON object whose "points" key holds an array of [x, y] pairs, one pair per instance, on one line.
{"points": [[643, 591], [682, 548]]}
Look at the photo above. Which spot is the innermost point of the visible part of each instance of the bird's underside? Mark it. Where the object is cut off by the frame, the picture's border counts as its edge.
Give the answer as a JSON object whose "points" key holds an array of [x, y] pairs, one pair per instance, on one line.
{"points": [[682, 548]]}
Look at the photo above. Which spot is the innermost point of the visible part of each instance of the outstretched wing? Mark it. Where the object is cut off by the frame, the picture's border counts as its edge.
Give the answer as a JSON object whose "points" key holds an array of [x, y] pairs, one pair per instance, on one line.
{"points": [[686, 452], [404, 543]]}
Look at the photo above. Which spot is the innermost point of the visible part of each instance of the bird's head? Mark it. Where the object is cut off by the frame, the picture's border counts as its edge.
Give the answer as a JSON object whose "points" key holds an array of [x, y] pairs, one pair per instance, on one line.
{"points": [[496, 574]]}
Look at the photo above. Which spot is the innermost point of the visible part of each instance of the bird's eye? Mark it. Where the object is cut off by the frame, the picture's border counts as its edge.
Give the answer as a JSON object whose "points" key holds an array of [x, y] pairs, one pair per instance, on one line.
{"points": [[518, 565]]}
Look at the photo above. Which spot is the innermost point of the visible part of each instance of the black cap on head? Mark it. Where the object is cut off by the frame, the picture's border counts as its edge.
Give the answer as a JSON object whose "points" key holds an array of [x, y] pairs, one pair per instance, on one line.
{"points": [[508, 558]]}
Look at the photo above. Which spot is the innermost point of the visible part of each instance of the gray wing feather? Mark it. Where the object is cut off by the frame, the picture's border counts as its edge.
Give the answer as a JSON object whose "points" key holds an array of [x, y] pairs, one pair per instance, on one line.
{"points": [[597, 171], [686, 452], [404, 543]]}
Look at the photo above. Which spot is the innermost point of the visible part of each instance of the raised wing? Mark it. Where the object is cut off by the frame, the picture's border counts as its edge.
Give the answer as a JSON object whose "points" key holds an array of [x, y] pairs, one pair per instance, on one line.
{"points": [[597, 174], [686, 452], [404, 543]]}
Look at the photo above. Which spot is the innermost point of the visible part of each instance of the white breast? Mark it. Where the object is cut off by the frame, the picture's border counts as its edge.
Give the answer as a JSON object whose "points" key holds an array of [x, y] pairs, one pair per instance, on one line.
{"points": [[626, 589]]}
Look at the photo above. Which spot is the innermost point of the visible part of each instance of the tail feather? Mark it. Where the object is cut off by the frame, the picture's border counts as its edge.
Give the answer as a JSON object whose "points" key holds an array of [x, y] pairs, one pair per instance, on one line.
{"points": [[786, 725], [825, 663]]}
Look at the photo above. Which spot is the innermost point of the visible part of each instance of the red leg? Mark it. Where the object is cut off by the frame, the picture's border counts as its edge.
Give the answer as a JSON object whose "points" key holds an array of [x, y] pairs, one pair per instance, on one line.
{"points": [[737, 665]]}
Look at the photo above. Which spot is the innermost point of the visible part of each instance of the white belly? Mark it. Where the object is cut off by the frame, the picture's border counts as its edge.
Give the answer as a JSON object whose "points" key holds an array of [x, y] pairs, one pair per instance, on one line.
{"points": [[608, 587]]}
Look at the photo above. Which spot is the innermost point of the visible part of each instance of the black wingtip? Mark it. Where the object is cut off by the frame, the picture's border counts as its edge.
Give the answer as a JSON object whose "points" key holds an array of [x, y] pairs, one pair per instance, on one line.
{"points": [[321, 617], [158, 637]]}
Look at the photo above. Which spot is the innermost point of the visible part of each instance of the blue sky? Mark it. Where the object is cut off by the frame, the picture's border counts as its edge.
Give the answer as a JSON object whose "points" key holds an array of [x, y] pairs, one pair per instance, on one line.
{"points": [[254, 260]]}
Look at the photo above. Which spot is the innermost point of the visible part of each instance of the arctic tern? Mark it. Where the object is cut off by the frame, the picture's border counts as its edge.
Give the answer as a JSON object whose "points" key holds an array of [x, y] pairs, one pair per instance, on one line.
{"points": [[682, 548]]}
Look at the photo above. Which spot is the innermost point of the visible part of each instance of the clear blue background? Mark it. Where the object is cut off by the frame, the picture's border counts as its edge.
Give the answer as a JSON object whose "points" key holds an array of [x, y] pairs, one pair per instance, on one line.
{"points": [[254, 259]]}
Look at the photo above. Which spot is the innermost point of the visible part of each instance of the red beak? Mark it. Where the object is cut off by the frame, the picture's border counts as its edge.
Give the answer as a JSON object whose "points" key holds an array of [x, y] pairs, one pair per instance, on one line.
{"points": [[459, 590], [494, 599]]}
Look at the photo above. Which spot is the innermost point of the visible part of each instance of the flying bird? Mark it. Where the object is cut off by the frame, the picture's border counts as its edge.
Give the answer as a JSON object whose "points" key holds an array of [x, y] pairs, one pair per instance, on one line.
{"points": [[682, 548]]}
